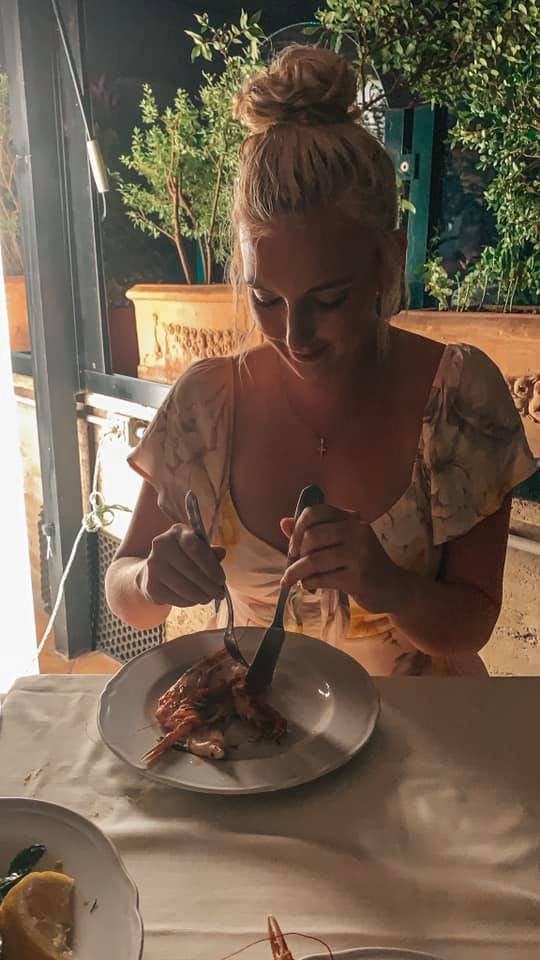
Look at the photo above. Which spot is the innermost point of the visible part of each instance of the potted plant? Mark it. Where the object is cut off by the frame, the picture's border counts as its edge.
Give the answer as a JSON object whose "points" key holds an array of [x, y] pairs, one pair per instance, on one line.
{"points": [[178, 184], [478, 60], [9, 231]]}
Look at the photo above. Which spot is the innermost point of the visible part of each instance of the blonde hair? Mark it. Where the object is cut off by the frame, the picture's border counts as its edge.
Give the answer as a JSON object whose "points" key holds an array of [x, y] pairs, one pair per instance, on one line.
{"points": [[307, 147]]}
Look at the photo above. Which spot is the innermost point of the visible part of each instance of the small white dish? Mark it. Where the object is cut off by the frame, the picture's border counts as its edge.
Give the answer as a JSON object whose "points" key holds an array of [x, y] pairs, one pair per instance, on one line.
{"points": [[107, 919], [329, 700]]}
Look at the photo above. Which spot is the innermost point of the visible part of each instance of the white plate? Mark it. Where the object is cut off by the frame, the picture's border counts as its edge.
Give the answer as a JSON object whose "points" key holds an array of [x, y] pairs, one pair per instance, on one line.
{"points": [[374, 953], [114, 927], [329, 700]]}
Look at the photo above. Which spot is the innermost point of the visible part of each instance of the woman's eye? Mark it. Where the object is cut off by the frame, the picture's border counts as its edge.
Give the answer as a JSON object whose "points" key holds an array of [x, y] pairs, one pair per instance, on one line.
{"points": [[328, 303], [262, 302]]}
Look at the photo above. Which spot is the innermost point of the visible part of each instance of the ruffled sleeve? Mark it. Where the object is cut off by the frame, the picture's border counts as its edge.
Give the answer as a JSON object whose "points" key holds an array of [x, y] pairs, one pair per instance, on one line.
{"points": [[188, 443], [474, 446]]}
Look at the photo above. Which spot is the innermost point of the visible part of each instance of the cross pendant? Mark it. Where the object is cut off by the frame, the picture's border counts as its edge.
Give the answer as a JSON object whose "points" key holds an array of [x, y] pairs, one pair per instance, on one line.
{"points": [[322, 447]]}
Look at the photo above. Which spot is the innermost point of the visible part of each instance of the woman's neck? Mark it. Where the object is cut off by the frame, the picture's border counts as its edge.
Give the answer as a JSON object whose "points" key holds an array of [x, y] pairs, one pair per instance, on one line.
{"points": [[334, 397]]}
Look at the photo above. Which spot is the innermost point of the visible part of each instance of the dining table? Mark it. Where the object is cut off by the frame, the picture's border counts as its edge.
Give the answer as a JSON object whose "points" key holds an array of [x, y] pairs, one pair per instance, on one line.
{"points": [[428, 839]]}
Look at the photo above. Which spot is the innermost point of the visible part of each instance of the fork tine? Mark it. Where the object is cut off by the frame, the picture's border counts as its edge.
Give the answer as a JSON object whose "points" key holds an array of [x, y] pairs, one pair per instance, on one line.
{"points": [[194, 516], [280, 950]]}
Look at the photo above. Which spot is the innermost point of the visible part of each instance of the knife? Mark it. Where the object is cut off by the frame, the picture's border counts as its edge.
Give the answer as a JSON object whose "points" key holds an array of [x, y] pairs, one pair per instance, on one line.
{"points": [[261, 671]]}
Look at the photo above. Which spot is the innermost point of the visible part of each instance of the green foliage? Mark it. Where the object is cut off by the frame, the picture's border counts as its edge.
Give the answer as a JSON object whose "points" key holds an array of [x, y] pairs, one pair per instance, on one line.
{"points": [[183, 160], [437, 282], [9, 204], [492, 273], [479, 59]]}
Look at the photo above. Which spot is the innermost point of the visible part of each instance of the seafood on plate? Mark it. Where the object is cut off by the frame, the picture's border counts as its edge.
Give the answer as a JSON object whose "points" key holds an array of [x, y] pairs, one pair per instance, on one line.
{"points": [[195, 711], [278, 943], [280, 949]]}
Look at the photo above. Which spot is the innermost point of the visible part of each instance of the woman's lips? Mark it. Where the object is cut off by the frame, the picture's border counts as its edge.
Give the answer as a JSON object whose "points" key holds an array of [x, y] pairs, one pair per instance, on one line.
{"points": [[309, 356]]}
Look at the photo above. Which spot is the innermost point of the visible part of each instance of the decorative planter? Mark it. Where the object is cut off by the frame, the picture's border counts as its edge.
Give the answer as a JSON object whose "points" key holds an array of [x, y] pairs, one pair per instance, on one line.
{"points": [[178, 324], [17, 311], [512, 340]]}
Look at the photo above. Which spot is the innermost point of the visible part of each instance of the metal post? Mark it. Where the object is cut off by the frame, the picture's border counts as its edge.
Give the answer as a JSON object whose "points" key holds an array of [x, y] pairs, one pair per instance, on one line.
{"points": [[84, 207], [31, 52], [420, 196], [411, 136]]}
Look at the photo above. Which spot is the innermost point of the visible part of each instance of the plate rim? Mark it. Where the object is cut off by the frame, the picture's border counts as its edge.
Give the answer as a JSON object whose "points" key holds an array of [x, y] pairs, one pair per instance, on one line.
{"points": [[400, 953], [52, 807], [155, 777]]}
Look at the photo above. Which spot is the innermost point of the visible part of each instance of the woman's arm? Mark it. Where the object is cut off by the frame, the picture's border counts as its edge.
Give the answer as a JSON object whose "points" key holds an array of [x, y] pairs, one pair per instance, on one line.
{"points": [[458, 613], [452, 616], [159, 565]]}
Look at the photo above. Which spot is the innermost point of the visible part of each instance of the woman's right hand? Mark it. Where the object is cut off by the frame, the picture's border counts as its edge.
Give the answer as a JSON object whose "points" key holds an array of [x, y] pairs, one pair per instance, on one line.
{"points": [[181, 570]]}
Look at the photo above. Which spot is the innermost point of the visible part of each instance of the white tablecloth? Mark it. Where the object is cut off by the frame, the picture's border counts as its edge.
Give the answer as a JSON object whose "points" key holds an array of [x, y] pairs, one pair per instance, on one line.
{"points": [[430, 839]]}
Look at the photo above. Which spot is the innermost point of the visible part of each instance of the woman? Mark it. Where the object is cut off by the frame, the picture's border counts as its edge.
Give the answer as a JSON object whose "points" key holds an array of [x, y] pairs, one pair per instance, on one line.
{"points": [[416, 446]]}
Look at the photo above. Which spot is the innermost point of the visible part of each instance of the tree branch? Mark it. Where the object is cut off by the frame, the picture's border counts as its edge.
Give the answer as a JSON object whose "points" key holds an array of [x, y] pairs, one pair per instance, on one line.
{"points": [[152, 223], [175, 193], [173, 184], [210, 233]]}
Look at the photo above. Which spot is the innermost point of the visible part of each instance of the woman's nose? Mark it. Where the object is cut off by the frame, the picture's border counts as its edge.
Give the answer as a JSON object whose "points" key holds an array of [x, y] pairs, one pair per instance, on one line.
{"points": [[300, 327]]}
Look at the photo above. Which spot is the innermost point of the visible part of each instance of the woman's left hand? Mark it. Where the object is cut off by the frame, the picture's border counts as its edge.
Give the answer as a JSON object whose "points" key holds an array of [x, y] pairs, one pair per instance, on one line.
{"points": [[338, 551]]}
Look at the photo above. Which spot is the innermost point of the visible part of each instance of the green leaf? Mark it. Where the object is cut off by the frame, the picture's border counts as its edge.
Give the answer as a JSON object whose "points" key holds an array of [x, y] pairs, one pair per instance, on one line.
{"points": [[407, 205]]}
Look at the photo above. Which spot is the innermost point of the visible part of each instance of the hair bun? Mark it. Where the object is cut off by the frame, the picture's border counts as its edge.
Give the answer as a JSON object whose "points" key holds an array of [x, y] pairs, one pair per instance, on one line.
{"points": [[304, 85]]}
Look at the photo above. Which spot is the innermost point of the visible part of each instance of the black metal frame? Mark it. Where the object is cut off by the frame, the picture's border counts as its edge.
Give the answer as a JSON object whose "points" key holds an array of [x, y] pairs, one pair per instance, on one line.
{"points": [[147, 393], [54, 232]]}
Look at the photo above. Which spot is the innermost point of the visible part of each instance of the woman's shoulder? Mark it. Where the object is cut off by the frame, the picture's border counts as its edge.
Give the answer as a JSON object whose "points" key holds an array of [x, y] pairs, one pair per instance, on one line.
{"points": [[188, 442], [475, 386], [417, 359], [203, 391], [203, 377], [455, 368], [474, 445]]}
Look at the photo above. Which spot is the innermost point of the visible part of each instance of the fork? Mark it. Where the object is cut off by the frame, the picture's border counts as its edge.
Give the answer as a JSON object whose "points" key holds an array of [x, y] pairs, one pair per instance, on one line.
{"points": [[263, 665], [229, 638]]}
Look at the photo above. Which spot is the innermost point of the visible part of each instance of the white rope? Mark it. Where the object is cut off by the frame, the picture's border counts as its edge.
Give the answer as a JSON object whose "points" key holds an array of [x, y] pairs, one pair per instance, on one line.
{"points": [[99, 516]]}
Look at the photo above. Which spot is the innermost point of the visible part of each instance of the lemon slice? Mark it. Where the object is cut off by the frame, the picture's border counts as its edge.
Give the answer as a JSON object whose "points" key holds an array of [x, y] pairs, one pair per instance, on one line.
{"points": [[37, 918]]}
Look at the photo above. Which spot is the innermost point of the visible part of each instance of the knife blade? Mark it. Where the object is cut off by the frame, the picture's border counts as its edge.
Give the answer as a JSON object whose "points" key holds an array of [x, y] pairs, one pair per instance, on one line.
{"points": [[261, 671]]}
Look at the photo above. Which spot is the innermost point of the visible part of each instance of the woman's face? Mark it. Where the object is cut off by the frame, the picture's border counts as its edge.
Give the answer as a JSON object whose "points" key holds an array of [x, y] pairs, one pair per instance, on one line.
{"points": [[312, 286]]}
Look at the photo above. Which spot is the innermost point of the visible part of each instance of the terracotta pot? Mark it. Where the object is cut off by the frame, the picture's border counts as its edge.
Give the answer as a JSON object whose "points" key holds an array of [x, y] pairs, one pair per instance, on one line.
{"points": [[512, 340], [123, 337], [17, 310], [178, 324]]}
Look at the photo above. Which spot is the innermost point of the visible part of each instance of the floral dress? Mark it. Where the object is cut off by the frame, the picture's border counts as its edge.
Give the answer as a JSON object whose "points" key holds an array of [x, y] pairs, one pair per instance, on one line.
{"points": [[471, 453]]}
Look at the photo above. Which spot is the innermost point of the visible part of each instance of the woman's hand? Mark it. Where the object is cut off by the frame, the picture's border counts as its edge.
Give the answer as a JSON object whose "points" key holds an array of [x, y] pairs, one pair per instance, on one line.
{"points": [[181, 570], [338, 551]]}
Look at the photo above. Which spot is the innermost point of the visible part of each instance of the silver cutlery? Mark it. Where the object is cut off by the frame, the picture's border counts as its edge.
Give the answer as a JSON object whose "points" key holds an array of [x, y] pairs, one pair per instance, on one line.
{"points": [[229, 638], [261, 671]]}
